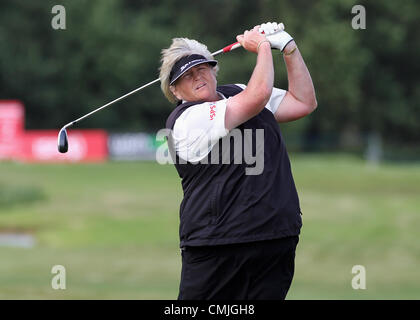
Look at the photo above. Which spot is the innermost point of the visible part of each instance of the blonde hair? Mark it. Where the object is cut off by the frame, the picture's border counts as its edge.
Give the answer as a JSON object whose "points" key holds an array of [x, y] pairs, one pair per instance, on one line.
{"points": [[179, 48]]}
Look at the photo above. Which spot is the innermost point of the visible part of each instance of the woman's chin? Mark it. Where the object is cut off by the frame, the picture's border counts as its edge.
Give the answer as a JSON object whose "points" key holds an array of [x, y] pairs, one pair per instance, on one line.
{"points": [[208, 96]]}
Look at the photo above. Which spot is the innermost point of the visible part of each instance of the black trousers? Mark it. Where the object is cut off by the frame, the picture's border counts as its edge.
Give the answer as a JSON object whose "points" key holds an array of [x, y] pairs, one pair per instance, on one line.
{"points": [[260, 270]]}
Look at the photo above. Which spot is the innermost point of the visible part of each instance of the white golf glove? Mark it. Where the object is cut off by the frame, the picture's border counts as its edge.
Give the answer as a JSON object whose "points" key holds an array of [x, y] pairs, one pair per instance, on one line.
{"points": [[275, 34]]}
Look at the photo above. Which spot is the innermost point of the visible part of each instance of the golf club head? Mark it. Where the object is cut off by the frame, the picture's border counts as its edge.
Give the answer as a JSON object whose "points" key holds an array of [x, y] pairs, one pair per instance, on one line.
{"points": [[63, 143]]}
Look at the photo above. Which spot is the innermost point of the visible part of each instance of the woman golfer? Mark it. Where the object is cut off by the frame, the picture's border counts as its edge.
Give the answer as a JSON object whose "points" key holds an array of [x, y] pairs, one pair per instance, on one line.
{"points": [[239, 222]]}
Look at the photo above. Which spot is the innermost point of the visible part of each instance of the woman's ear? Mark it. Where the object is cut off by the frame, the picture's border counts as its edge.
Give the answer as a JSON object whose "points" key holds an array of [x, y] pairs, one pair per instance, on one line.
{"points": [[175, 92]]}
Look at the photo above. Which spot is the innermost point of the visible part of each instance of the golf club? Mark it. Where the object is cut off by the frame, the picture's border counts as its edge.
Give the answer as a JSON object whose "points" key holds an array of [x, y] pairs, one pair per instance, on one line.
{"points": [[63, 144]]}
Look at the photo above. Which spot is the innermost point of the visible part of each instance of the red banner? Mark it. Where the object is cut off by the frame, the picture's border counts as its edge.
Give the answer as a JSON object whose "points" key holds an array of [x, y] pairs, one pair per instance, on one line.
{"points": [[84, 146], [12, 117]]}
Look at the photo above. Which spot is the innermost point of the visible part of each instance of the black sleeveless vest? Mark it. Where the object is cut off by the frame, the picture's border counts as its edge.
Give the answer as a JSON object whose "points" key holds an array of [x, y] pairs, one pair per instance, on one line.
{"points": [[224, 205]]}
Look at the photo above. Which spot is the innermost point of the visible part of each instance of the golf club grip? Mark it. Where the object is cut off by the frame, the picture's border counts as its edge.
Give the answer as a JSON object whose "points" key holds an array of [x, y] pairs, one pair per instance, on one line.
{"points": [[231, 47], [236, 45]]}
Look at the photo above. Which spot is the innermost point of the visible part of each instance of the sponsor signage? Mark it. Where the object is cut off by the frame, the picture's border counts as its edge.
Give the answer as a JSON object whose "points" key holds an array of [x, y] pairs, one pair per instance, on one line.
{"points": [[12, 117], [131, 146], [84, 146]]}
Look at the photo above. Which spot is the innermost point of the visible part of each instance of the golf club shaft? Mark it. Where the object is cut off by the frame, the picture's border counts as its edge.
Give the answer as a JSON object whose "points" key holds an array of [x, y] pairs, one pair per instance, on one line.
{"points": [[110, 103], [225, 49]]}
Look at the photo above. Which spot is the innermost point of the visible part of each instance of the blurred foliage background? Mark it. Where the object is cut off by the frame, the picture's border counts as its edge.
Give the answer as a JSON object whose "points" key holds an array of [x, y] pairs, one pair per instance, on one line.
{"points": [[366, 81]]}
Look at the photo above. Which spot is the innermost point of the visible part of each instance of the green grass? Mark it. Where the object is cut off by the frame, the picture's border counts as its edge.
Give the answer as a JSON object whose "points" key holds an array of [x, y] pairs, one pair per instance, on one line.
{"points": [[114, 226]]}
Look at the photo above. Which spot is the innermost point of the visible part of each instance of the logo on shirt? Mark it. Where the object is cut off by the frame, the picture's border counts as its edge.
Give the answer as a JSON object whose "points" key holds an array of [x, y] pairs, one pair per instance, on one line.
{"points": [[212, 112]]}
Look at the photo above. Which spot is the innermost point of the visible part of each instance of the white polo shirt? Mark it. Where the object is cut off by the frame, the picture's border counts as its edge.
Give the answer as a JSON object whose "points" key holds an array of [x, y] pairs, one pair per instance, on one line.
{"points": [[199, 127]]}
